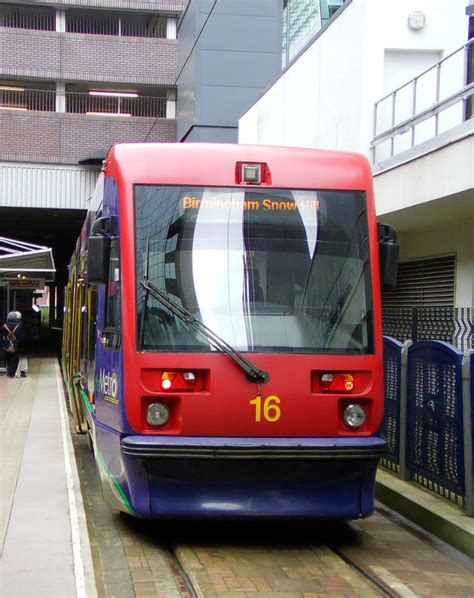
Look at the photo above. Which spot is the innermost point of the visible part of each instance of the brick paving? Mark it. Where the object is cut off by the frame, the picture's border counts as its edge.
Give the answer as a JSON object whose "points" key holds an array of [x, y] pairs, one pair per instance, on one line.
{"points": [[138, 559], [401, 555], [255, 571]]}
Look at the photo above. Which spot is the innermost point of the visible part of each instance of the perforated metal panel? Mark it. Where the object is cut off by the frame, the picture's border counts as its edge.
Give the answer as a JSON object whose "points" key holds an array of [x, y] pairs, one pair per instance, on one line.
{"points": [[392, 361], [434, 426]]}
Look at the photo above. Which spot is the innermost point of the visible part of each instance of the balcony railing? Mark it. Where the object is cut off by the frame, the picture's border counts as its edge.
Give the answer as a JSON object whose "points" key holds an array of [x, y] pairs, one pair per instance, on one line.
{"points": [[17, 16], [97, 22], [103, 23], [433, 102], [124, 104]]}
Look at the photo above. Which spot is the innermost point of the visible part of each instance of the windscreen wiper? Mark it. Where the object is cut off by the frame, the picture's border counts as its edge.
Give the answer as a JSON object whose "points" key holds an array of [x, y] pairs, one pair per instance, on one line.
{"points": [[254, 373]]}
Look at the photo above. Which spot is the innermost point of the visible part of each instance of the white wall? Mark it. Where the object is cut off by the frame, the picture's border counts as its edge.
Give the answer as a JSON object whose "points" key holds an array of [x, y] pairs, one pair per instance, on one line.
{"points": [[326, 98], [436, 175]]}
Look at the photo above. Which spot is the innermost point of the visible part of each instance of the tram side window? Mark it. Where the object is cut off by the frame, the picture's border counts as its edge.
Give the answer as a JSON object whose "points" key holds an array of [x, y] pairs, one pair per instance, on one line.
{"points": [[113, 320]]}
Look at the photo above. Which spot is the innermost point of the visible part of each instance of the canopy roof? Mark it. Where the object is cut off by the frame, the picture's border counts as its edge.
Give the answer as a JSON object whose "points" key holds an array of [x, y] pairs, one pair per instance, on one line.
{"points": [[18, 258]]}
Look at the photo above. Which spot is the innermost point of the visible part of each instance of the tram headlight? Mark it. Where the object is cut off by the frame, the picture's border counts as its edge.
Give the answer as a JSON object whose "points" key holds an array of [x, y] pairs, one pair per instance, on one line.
{"points": [[157, 414], [354, 416]]}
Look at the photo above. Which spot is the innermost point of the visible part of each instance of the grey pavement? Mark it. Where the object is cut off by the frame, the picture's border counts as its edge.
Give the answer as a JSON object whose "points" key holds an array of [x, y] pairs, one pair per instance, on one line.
{"points": [[44, 547]]}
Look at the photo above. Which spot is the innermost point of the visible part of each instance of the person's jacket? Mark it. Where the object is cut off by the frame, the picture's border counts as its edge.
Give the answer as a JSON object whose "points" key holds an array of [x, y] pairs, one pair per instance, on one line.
{"points": [[19, 332]]}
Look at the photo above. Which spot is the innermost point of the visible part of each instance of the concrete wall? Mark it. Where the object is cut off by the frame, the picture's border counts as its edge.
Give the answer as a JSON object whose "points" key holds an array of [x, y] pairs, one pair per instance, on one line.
{"points": [[325, 98], [225, 64], [438, 174]]}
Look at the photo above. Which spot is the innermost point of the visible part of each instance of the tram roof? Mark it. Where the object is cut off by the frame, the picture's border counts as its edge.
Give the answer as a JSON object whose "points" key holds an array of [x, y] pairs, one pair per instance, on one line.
{"points": [[173, 163]]}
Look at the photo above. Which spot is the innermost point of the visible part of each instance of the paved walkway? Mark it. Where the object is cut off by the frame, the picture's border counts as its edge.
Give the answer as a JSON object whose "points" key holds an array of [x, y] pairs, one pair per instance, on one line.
{"points": [[44, 545]]}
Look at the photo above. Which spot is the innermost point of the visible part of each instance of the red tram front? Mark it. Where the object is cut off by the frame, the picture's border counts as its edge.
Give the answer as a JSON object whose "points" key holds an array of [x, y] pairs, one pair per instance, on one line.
{"points": [[236, 346]]}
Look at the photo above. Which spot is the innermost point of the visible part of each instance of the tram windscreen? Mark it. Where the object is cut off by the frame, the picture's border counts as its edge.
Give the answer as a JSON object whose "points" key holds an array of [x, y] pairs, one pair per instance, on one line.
{"points": [[274, 270]]}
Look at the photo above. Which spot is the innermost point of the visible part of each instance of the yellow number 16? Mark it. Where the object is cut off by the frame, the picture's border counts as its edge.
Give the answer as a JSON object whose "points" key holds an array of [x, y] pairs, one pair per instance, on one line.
{"points": [[271, 411]]}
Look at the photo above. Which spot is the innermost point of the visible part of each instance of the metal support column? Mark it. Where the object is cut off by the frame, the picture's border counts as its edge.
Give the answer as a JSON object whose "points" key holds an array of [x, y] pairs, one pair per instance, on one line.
{"points": [[467, 429], [404, 472]]}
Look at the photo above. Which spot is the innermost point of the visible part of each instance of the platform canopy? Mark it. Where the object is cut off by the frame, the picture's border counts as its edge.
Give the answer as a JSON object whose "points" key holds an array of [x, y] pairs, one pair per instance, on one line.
{"points": [[21, 261]]}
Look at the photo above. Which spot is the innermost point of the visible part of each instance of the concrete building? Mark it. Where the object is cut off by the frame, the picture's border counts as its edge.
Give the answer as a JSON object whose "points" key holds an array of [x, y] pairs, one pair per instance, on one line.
{"points": [[365, 83], [75, 77], [229, 52]]}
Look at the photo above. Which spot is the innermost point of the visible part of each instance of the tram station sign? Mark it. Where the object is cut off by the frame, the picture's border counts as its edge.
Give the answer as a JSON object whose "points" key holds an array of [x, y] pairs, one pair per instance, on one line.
{"points": [[27, 283]]}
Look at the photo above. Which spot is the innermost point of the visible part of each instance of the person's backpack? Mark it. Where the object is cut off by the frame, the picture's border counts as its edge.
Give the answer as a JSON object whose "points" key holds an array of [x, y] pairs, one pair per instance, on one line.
{"points": [[10, 341]]}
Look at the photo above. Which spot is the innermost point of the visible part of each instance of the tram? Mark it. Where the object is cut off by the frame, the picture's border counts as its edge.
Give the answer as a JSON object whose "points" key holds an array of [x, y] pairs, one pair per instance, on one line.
{"points": [[222, 343]]}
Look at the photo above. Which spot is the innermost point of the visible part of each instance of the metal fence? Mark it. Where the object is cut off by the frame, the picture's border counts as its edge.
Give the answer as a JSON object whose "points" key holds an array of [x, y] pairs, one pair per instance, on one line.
{"points": [[20, 99], [116, 104], [451, 324], [40, 18], [95, 103], [434, 101], [109, 23], [428, 421]]}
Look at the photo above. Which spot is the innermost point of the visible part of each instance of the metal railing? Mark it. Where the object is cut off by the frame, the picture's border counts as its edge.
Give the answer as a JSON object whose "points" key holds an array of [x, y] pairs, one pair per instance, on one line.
{"points": [[96, 22], [106, 23], [113, 104], [19, 16], [20, 99], [439, 94], [140, 106]]}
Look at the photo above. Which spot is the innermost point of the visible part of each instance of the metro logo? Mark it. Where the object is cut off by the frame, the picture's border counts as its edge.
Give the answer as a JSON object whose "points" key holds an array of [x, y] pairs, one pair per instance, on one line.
{"points": [[108, 386]]}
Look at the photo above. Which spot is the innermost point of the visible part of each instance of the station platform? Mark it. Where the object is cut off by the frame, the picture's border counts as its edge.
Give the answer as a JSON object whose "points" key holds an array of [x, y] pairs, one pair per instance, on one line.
{"points": [[44, 541]]}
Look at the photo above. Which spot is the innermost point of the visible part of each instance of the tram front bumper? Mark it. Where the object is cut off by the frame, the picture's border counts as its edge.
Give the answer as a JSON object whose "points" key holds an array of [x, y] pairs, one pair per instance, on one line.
{"points": [[270, 477]]}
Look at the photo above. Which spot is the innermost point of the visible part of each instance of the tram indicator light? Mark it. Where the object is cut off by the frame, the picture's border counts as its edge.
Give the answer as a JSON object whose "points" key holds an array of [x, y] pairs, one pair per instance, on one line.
{"points": [[178, 380], [337, 382]]}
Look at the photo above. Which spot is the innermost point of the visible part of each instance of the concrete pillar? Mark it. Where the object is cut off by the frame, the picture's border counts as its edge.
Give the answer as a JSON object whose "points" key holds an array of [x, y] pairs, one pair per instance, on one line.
{"points": [[171, 28], [171, 104], [60, 97], [60, 21]]}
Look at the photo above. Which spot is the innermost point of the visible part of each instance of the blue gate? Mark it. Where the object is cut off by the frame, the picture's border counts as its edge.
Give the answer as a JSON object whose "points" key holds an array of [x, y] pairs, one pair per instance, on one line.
{"points": [[435, 453]]}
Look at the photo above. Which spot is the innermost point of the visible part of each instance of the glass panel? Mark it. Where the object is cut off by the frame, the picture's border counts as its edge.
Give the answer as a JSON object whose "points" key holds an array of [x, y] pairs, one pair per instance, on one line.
{"points": [[112, 301], [267, 270]]}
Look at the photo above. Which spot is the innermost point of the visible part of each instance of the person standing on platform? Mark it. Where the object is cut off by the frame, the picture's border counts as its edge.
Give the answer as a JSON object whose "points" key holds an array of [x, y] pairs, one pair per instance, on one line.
{"points": [[11, 338]]}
